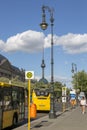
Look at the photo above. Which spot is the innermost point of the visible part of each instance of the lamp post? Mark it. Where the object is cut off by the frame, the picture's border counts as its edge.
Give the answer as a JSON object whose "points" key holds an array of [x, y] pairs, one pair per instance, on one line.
{"points": [[43, 26], [74, 70]]}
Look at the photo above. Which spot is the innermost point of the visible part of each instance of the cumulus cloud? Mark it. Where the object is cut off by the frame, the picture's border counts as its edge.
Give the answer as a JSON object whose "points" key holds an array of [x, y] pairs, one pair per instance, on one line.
{"points": [[33, 41], [29, 41], [73, 43], [2, 45]]}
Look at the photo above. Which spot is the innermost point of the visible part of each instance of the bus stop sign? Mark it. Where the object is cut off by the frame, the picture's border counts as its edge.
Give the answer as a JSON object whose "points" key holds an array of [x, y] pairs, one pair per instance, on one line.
{"points": [[29, 74]]}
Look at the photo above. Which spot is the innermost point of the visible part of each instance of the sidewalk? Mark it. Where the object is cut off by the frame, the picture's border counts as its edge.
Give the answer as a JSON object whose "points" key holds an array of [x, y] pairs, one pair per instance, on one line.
{"points": [[69, 120]]}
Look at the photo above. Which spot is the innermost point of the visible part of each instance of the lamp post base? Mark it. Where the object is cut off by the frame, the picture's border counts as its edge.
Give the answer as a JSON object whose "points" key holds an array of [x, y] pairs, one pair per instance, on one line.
{"points": [[52, 115]]}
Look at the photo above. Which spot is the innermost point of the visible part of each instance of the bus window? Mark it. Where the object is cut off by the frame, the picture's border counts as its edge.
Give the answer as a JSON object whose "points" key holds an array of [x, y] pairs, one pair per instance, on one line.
{"points": [[21, 97], [15, 99], [42, 93], [46, 94], [7, 99], [38, 93]]}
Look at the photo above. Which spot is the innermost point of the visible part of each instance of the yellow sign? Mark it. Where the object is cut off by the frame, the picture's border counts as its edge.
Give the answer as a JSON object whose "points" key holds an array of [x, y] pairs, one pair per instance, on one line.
{"points": [[63, 91], [63, 88], [29, 74]]}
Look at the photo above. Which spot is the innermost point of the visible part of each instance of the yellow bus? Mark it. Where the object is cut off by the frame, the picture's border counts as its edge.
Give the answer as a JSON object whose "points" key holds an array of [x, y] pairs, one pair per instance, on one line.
{"points": [[12, 104], [42, 99]]}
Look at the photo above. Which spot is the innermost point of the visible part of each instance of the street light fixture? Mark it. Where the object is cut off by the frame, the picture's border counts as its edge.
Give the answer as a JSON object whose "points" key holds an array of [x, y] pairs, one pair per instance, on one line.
{"points": [[44, 26], [74, 68]]}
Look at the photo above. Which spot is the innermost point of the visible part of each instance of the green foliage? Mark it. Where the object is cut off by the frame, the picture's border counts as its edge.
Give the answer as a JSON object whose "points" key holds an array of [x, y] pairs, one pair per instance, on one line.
{"points": [[41, 85], [13, 81], [58, 89], [80, 81]]}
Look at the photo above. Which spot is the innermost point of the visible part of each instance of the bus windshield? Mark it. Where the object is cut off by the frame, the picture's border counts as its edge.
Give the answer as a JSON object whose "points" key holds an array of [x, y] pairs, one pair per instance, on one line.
{"points": [[41, 93]]}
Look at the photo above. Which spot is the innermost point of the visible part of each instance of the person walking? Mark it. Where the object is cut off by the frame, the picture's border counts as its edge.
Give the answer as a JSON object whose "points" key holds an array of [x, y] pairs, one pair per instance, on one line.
{"points": [[83, 104]]}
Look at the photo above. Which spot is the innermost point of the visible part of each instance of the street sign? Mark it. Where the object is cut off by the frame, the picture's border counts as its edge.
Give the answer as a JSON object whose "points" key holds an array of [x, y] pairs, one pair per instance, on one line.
{"points": [[63, 99], [73, 96], [29, 74], [63, 91]]}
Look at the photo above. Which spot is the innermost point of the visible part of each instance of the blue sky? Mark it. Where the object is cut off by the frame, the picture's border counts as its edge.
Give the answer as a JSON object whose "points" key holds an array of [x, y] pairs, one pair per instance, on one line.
{"points": [[22, 40]]}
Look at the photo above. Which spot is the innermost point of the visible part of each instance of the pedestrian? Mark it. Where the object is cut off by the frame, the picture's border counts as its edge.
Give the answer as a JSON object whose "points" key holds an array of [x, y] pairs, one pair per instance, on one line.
{"points": [[83, 104]]}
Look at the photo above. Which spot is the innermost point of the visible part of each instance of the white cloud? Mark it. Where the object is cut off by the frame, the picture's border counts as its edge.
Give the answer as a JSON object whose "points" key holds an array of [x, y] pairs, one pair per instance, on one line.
{"points": [[29, 41], [72, 43], [2, 45], [32, 41]]}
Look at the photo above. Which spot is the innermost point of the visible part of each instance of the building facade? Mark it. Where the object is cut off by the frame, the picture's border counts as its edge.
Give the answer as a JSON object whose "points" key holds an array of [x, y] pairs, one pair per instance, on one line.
{"points": [[9, 71]]}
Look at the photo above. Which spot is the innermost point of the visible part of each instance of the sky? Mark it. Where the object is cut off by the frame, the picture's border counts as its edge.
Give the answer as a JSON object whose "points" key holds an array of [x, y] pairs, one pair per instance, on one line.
{"points": [[22, 39]]}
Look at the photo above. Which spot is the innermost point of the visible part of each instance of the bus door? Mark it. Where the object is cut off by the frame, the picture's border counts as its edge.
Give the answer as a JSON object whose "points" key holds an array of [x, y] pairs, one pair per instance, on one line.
{"points": [[21, 103], [7, 107], [0, 108], [0, 118]]}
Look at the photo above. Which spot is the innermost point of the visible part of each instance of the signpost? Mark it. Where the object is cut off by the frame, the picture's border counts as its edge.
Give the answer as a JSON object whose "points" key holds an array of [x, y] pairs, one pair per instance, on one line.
{"points": [[63, 91], [28, 76], [64, 98]]}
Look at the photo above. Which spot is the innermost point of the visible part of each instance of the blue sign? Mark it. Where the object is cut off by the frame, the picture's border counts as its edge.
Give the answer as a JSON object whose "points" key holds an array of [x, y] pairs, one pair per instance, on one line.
{"points": [[73, 96]]}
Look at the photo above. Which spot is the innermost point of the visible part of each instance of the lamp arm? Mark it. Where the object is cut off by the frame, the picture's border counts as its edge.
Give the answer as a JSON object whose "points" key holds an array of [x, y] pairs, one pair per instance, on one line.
{"points": [[51, 10]]}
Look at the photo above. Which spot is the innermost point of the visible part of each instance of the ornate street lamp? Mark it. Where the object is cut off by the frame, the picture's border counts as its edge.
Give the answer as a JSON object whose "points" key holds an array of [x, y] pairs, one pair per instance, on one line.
{"points": [[74, 68], [74, 71], [44, 26]]}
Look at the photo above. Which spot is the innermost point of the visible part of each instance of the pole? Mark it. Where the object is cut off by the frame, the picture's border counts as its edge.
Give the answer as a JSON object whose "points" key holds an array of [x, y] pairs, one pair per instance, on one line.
{"points": [[74, 70], [28, 104], [64, 107], [44, 27], [52, 111]]}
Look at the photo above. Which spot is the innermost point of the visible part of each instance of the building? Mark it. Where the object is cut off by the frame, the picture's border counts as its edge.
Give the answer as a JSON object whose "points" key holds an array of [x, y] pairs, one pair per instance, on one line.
{"points": [[9, 71]]}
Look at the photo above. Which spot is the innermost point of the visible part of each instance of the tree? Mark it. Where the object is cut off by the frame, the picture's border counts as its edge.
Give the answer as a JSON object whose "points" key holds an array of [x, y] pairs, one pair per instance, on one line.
{"points": [[58, 89], [80, 80]]}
